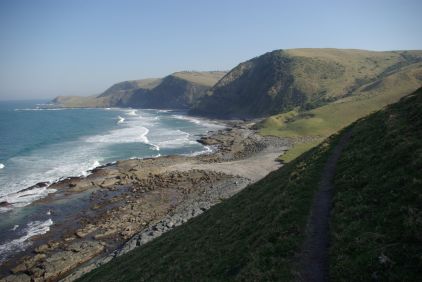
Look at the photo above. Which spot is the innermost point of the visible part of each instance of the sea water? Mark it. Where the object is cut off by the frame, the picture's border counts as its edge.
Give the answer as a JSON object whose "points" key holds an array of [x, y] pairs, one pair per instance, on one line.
{"points": [[45, 145]]}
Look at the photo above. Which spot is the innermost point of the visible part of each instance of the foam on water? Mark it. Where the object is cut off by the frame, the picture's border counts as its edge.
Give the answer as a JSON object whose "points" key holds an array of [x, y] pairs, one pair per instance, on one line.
{"points": [[156, 128], [199, 121], [99, 140], [131, 113], [207, 150], [21, 243], [24, 197], [124, 135], [120, 119]]}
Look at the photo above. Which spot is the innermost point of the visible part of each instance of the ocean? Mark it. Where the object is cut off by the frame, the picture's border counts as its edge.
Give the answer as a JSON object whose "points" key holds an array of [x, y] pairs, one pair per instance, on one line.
{"points": [[39, 145]]}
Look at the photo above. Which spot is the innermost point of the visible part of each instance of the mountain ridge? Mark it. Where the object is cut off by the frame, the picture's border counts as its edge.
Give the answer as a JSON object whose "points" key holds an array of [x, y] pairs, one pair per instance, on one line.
{"points": [[281, 80], [178, 90]]}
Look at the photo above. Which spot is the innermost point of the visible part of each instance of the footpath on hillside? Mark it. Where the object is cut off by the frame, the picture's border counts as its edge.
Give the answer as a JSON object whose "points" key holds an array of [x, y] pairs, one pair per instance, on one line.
{"points": [[314, 255]]}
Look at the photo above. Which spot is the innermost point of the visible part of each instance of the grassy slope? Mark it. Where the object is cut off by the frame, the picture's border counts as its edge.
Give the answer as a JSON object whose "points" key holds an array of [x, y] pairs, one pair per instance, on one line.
{"points": [[81, 102], [119, 94], [325, 120], [377, 212], [206, 78], [256, 234], [336, 72], [280, 80], [251, 236]]}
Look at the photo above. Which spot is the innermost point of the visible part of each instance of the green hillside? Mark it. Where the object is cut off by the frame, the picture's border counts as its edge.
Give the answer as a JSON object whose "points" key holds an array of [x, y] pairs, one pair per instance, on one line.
{"points": [[323, 121], [257, 234], [131, 85], [377, 214], [304, 79], [179, 90]]}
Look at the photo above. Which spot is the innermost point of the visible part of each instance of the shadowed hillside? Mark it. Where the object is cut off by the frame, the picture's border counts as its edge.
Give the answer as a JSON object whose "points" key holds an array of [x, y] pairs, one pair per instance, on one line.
{"points": [[179, 90]]}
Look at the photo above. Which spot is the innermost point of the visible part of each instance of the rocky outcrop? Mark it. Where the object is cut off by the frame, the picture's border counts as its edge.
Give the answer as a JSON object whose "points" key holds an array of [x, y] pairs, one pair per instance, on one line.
{"points": [[131, 202], [49, 268]]}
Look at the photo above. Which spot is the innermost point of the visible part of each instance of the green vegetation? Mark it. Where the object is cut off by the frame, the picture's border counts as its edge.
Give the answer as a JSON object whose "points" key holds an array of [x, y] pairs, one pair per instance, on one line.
{"points": [[305, 79], [251, 236], [81, 102], [208, 78], [298, 149], [377, 215], [257, 234], [326, 120], [178, 90]]}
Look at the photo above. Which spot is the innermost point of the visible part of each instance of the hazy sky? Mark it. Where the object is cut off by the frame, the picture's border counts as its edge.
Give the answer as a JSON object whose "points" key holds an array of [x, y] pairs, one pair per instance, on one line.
{"points": [[80, 47]]}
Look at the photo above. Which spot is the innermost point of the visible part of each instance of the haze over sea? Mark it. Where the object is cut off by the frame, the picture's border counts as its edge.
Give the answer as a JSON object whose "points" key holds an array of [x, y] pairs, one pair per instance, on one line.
{"points": [[38, 145]]}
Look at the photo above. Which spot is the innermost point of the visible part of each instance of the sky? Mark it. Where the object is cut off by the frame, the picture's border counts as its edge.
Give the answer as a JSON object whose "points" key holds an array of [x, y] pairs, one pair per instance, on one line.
{"points": [[81, 47]]}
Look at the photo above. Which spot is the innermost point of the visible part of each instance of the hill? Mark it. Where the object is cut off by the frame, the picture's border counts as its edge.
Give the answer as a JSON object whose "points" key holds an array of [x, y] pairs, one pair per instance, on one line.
{"points": [[304, 79], [310, 127], [258, 233], [179, 90]]}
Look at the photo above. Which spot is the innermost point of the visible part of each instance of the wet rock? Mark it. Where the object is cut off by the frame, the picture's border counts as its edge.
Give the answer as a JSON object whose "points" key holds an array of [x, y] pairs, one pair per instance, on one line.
{"points": [[4, 204], [83, 232], [17, 278], [105, 234], [28, 263], [77, 253], [109, 182]]}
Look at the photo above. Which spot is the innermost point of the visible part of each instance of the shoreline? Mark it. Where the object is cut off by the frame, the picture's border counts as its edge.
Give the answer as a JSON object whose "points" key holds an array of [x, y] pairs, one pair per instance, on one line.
{"points": [[125, 204]]}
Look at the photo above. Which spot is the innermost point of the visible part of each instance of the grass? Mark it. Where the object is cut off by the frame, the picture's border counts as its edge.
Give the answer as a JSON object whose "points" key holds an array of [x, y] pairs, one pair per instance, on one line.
{"points": [[377, 215], [326, 120], [207, 78], [254, 235], [257, 234], [282, 80], [298, 149]]}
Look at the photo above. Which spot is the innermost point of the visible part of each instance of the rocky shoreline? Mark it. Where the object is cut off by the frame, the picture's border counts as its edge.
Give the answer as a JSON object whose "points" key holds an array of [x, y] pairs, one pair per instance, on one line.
{"points": [[131, 202]]}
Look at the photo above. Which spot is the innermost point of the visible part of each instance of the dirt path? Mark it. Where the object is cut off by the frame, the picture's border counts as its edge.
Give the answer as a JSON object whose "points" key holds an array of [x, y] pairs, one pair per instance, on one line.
{"points": [[314, 254]]}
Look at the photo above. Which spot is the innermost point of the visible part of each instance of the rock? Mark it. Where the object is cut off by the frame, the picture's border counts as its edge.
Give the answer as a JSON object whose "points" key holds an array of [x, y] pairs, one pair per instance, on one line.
{"points": [[5, 204], [42, 249], [109, 182], [41, 184], [28, 263], [80, 184], [105, 234], [83, 232], [17, 278], [77, 253], [68, 239]]}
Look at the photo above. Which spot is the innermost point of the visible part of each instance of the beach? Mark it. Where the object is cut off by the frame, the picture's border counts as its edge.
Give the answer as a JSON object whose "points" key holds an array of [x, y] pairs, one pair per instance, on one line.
{"points": [[125, 204]]}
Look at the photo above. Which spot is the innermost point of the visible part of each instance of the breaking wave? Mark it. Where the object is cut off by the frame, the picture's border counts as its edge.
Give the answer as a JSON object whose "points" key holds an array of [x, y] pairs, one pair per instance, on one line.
{"points": [[32, 229]]}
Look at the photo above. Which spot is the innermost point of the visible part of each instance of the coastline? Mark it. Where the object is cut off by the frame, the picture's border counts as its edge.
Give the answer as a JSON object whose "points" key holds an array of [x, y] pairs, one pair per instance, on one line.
{"points": [[126, 204]]}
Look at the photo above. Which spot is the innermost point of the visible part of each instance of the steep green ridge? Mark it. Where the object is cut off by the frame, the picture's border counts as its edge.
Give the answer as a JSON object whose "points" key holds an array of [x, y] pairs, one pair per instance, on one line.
{"points": [[321, 122], [377, 215], [179, 90], [257, 234], [302, 79]]}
